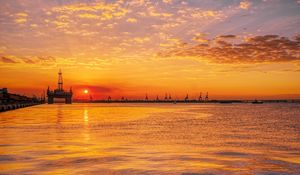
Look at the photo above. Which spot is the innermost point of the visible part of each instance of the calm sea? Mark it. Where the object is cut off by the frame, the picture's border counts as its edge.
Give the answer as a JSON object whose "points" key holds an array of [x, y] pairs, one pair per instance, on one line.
{"points": [[190, 139]]}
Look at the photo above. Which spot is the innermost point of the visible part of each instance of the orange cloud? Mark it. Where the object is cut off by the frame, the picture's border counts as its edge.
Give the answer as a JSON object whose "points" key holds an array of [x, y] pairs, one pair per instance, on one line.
{"points": [[200, 38], [131, 20], [168, 1], [22, 14], [60, 24], [154, 13], [21, 17], [245, 5], [88, 16], [258, 49], [141, 40], [21, 20], [105, 10], [84, 7], [207, 14]]}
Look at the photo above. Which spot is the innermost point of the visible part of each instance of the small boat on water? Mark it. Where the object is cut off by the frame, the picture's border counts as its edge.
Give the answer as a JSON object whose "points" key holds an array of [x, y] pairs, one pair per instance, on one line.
{"points": [[257, 102]]}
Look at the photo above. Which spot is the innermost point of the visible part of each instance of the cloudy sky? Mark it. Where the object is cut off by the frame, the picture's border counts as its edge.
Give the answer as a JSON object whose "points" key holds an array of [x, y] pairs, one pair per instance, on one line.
{"points": [[232, 48]]}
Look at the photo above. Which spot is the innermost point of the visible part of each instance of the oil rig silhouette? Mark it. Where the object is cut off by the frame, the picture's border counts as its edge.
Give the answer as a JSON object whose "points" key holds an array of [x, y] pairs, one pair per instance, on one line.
{"points": [[59, 92]]}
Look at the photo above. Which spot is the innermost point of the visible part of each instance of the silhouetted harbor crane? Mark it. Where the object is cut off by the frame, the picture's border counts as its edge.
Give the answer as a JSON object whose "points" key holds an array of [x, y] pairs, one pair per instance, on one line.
{"points": [[200, 97], [206, 97], [186, 99]]}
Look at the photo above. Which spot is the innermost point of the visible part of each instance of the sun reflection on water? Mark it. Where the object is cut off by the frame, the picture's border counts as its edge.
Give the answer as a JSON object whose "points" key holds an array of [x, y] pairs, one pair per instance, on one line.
{"points": [[86, 117], [86, 131]]}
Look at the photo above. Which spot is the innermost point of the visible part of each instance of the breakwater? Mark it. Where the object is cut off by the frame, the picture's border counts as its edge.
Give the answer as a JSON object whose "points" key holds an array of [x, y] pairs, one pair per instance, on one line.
{"points": [[10, 101], [8, 107]]}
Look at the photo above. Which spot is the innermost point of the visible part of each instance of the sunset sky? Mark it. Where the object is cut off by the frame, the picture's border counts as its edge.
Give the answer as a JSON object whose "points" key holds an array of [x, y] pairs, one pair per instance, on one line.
{"points": [[230, 48]]}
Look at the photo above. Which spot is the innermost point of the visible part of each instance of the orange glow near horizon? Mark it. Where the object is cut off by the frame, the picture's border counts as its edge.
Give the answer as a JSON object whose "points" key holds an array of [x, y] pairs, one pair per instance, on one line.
{"points": [[131, 48]]}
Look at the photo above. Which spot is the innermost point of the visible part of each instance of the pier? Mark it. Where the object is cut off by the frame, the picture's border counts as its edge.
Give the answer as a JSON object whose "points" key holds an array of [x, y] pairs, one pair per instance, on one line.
{"points": [[10, 101]]}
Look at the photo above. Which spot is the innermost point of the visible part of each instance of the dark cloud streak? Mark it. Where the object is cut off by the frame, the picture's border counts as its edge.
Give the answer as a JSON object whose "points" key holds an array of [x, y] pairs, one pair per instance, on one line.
{"points": [[7, 60], [28, 60]]}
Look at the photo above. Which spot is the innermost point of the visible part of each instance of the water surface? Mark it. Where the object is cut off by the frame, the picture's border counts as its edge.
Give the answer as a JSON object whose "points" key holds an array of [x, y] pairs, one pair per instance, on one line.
{"points": [[191, 139]]}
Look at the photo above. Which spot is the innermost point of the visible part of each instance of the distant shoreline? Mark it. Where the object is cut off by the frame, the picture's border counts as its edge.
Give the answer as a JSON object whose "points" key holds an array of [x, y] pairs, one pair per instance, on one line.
{"points": [[190, 101]]}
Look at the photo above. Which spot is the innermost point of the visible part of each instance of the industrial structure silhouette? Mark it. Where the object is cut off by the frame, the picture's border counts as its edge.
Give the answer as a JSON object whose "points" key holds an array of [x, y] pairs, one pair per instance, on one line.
{"points": [[59, 92]]}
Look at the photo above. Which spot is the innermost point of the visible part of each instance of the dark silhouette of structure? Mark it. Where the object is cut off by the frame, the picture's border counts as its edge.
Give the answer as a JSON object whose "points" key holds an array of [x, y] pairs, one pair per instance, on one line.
{"points": [[186, 99], [200, 97], [157, 98], [109, 98], [10, 101], [206, 97], [59, 92]]}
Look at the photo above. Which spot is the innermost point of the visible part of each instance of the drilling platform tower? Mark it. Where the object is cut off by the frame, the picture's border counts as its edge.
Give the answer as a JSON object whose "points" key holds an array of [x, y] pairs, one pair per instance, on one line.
{"points": [[59, 92]]}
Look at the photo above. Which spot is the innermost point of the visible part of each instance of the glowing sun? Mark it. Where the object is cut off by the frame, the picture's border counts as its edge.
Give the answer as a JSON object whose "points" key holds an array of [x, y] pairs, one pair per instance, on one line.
{"points": [[86, 91]]}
